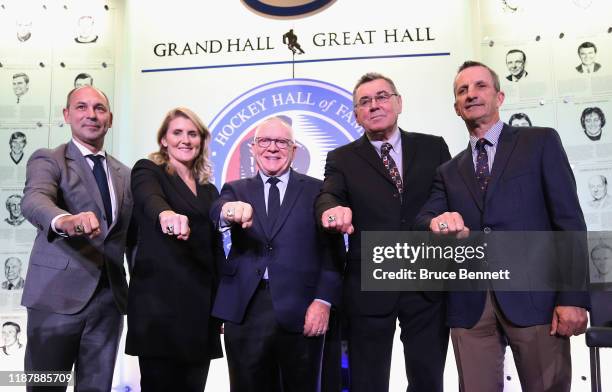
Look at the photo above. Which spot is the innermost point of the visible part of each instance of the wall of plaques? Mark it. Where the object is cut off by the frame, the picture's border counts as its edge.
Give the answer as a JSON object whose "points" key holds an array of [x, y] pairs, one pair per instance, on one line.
{"points": [[48, 47]]}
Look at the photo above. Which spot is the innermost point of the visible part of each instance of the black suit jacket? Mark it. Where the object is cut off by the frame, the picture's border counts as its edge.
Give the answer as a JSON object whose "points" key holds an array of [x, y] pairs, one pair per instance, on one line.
{"points": [[173, 282], [355, 177]]}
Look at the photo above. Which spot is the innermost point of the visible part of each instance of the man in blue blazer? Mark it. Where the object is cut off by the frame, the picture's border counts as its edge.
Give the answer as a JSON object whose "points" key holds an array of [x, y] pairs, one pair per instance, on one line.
{"points": [[281, 276], [508, 179]]}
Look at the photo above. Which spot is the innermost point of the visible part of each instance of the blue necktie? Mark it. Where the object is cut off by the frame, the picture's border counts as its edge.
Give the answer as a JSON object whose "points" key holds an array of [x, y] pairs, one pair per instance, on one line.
{"points": [[273, 201], [482, 164], [100, 175]]}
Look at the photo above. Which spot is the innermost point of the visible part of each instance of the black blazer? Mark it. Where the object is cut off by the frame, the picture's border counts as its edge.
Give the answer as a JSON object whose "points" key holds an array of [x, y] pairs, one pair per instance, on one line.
{"points": [[355, 177], [173, 282]]}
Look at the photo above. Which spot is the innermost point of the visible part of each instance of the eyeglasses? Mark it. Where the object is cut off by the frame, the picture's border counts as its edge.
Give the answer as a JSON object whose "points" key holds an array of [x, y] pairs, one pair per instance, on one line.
{"points": [[265, 142], [380, 98]]}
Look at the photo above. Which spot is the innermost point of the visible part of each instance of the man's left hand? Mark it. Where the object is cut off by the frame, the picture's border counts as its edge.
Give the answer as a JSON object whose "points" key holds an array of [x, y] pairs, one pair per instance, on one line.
{"points": [[568, 321], [317, 318]]}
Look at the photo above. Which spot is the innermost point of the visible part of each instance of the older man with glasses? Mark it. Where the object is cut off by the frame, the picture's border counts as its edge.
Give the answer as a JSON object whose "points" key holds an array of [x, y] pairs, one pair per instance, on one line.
{"points": [[379, 182]]}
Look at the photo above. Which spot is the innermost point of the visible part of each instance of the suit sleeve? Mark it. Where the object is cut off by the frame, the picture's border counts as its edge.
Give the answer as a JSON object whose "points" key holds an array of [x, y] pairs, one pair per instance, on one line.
{"points": [[329, 287], [147, 191], [334, 191], [42, 194], [434, 206], [227, 195], [216, 238], [566, 215]]}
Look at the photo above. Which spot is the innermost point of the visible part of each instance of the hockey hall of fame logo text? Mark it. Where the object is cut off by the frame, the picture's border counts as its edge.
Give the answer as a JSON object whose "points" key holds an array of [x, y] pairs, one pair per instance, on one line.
{"points": [[320, 113]]}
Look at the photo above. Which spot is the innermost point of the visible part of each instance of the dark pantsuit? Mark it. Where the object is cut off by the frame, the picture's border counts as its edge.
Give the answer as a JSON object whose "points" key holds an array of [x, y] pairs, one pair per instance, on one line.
{"points": [[168, 374]]}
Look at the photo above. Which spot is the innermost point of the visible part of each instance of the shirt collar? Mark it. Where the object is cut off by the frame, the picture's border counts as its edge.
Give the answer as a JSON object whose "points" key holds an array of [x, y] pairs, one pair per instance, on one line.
{"points": [[395, 141], [492, 135], [85, 151], [283, 177]]}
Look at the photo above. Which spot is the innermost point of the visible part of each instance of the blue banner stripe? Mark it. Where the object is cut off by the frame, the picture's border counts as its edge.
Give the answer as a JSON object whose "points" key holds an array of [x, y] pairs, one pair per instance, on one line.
{"points": [[395, 56]]}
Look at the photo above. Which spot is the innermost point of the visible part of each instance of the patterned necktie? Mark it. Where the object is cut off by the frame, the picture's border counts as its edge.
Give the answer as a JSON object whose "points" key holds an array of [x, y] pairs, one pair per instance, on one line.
{"points": [[482, 164], [102, 181], [391, 166], [273, 201]]}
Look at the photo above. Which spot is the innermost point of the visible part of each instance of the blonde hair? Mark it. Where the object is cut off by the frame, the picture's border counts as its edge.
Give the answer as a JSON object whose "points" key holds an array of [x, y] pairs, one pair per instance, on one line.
{"points": [[202, 168]]}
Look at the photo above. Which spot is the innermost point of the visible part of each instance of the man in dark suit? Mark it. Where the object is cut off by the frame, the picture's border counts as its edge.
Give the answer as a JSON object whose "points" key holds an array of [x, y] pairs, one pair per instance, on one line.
{"points": [[508, 179], [515, 61], [78, 198], [281, 276], [587, 51], [379, 182]]}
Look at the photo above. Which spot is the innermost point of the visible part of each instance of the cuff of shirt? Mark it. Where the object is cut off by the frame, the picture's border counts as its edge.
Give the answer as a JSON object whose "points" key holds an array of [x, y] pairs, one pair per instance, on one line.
{"points": [[223, 224], [55, 230]]}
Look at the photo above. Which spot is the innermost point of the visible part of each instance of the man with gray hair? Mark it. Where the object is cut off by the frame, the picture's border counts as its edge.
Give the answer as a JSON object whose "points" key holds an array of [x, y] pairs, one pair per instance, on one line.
{"points": [[13, 206], [282, 275], [479, 190], [598, 186], [379, 182], [12, 272]]}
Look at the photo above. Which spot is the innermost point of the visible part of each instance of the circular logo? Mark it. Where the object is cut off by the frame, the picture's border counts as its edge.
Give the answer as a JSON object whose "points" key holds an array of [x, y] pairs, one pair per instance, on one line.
{"points": [[277, 8], [320, 113]]}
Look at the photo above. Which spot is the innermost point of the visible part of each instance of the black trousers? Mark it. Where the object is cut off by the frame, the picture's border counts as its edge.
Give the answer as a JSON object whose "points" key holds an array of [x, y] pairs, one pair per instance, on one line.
{"points": [[423, 333], [167, 374], [264, 357]]}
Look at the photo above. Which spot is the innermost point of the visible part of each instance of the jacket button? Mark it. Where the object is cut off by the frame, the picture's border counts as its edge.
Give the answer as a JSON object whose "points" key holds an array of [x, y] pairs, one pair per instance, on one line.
{"points": [[258, 272], [487, 230], [269, 247]]}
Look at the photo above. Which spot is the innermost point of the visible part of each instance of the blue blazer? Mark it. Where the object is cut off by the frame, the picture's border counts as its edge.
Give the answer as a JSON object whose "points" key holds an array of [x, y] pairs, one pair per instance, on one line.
{"points": [[303, 262], [532, 188]]}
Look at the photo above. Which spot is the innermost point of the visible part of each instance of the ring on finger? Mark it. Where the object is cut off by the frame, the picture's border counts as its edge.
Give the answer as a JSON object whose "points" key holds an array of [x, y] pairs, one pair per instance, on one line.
{"points": [[229, 212], [443, 225], [331, 219], [170, 229], [79, 229]]}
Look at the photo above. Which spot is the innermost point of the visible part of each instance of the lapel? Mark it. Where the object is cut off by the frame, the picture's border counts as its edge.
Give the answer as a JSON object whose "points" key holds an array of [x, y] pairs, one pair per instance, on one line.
{"points": [[505, 146], [294, 188], [365, 150], [183, 191], [409, 150], [77, 162], [465, 165], [118, 180], [255, 194]]}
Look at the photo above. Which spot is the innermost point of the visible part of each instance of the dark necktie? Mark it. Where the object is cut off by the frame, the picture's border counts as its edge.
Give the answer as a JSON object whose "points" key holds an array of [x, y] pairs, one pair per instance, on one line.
{"points": [[273, 201], [482, 164], [391, 166], [10, 286], [100, 175]]}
